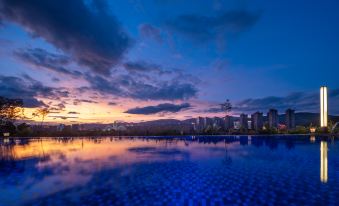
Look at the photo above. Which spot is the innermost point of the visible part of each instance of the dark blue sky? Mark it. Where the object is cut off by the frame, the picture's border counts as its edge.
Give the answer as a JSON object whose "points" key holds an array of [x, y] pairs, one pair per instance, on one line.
{"points": [[164, 54]]}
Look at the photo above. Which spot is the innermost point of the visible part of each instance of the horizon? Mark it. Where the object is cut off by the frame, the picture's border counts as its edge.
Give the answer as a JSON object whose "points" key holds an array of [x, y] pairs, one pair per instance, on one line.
{"points": [[141, 61], [38, 123]]}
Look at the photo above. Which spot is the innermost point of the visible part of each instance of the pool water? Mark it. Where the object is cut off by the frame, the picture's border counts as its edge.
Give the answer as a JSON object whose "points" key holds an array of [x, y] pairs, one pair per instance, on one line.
{"points": [[214, 170]]}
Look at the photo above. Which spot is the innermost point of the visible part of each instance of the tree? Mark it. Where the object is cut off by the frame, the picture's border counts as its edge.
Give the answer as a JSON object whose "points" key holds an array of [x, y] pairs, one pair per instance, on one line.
{"points": [[226, 107], [7, 126], [24, 130], [41, 112], [330, 125], [10, 109]]}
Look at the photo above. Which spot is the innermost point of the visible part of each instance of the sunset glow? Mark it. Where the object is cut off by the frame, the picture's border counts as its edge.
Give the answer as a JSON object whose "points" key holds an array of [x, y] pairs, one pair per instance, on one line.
{"points": [[117, 62]]}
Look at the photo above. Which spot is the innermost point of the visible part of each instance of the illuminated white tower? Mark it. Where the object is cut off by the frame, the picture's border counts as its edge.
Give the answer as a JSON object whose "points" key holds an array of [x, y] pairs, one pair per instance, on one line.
{"points": [[323, 106]]}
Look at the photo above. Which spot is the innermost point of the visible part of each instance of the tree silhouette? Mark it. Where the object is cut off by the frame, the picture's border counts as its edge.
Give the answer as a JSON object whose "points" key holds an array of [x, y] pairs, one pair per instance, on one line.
{"points": [[10, 109], [41, 112], [226, 107]]}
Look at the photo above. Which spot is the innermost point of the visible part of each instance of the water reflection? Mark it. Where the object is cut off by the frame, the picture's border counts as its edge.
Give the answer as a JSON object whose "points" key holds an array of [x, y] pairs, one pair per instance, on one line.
{"points": [[312, 138], [323, 162], [181, 170]]}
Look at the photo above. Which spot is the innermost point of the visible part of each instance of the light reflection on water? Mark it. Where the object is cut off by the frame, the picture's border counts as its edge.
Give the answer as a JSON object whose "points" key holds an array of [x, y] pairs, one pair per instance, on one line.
{"points": [[146, 171], [323, 162]]}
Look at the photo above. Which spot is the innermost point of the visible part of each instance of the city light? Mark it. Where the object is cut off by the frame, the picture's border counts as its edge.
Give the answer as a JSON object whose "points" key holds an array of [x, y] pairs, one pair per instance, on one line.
{"points": [[323, 106], [323, 161]]}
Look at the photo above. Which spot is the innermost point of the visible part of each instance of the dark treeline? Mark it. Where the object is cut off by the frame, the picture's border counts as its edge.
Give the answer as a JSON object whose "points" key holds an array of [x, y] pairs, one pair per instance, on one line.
{"points": [[10, 111]]}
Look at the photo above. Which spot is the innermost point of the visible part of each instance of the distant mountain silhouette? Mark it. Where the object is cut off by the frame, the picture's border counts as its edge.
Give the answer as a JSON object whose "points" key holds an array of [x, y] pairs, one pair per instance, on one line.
{"points": [[306, 118], [160, 122]]}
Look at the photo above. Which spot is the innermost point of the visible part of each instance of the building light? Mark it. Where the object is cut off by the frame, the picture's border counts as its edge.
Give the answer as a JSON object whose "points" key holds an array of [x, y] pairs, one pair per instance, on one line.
{"points": [[323, 107], [312, 129], [323, 162]]}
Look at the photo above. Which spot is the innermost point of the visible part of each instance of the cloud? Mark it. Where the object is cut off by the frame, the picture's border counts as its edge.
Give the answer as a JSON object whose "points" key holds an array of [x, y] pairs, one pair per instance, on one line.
{"points": [[145, 81], [54, 79], [71, 112], [130, 87], [79, 101], [33, 103], [112, 103], [28, 90], [62, 117], [164, 91], [167, 107], [61, 106], [44, 59], [301, 101], [205, 28], [141, 66], [86, 32], [149, 31], [213, 110]]}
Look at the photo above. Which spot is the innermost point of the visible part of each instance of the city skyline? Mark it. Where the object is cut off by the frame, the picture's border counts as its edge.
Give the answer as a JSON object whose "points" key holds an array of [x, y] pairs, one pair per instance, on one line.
{"points": [[138, 61]]}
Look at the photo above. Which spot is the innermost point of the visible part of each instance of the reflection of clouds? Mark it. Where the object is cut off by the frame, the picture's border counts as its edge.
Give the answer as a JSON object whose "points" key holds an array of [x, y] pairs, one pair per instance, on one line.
{"points": [[159, 154], [156, 151], [54, 167], [141, 149]]}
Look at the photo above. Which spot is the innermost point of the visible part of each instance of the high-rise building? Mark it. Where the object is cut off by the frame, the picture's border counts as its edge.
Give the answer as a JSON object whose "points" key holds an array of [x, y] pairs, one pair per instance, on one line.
{"points": [[75, 127], [61, 127], [199, 124], [208, 122], [243, 121], [273, 118], [257, 121], [229, 122], [290, 119], [249, 123], [202, 123], [218, 122], [237, 125], [323, 107]]}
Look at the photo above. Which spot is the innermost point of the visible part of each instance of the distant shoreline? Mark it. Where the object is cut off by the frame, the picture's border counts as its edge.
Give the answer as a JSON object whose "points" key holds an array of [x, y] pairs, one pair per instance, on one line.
{"points": [[178, 136]]}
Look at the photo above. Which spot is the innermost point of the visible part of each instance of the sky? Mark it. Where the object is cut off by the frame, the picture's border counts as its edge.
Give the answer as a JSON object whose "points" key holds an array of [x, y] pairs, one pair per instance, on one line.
{"points": [[97, 61]]}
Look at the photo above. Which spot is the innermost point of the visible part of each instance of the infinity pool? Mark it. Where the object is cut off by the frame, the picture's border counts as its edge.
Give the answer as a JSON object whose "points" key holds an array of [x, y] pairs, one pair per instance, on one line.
{"points": [[238, 170]]}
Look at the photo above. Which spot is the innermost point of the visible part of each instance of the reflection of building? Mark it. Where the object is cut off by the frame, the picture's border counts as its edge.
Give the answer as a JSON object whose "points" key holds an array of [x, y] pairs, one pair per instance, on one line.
{"points": [[243, 121], [290, 119], [323, 161], [243, 140], [323, 106], [257, 121], [273, 118], [312, 138]]}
